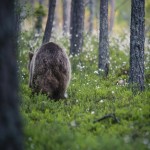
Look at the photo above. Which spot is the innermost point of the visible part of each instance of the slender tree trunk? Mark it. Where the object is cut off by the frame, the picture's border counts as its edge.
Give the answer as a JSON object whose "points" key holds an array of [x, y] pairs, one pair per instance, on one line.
{"points": [[17, 17], [137, 39], [66, 16], [10, 122], [77, 26], [91, 17], [49, 24], [103, 39], [112, 15]]}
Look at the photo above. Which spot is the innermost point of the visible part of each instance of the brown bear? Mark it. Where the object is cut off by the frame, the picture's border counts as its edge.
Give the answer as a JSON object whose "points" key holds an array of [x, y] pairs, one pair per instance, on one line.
{"points": [[49, 71]]}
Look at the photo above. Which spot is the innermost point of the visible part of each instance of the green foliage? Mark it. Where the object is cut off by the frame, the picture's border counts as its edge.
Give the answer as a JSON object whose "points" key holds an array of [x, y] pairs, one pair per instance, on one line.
{"points": [[39, 14], [123, 12], [68, 124], [39, 11]]}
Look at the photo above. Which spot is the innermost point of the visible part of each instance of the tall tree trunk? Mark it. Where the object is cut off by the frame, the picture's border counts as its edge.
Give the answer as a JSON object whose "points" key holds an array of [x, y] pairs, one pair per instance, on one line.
{"points": [[10, 122], [137, 39], [91, 17], [17, 17], [112, 15], [76, 26], [66, 16], [103, 39], [49, 24]]}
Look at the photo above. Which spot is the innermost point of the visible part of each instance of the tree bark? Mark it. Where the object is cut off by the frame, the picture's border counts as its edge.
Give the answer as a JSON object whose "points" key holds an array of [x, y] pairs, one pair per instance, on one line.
{"points": [[76, 26], [49, 24], [66, 16], [103, 64], [137, 39], [10, 121], [17, 17], [91, 17]]}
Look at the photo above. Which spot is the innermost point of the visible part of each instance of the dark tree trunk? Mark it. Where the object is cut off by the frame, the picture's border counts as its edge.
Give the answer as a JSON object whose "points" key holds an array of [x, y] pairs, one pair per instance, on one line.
{"points": [[76, 26], [103, 39], [10, 124], [66, 16], [137, 39], [17, 17], [112, 15], [49, 24], [91, 17]]}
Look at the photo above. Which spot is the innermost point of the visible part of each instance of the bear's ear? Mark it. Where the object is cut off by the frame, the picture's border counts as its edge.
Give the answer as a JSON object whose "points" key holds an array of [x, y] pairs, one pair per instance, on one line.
{"points": [[30, 55]]}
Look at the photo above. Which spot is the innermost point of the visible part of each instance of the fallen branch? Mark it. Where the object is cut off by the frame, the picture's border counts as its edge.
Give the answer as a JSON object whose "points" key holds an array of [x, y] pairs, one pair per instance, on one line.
{"points": [[113, 116]]}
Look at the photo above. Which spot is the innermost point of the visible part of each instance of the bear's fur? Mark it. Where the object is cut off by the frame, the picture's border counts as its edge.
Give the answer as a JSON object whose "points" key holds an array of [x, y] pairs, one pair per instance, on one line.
{"points": [[49, 71]]}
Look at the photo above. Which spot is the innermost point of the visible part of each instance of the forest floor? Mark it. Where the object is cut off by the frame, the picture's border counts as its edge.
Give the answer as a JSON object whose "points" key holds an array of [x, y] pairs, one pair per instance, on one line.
{"points": [[74, 123]]}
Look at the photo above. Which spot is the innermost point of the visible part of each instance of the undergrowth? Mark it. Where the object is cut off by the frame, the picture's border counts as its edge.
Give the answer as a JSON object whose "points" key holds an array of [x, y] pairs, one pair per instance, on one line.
{"points": [[69, 124]]}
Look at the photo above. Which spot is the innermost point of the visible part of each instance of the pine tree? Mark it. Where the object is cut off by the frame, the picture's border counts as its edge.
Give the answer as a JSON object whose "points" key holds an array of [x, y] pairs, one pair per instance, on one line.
{"points": [[137, 39], [103, 64], [49, 24], [10, 121], [76, 26]]}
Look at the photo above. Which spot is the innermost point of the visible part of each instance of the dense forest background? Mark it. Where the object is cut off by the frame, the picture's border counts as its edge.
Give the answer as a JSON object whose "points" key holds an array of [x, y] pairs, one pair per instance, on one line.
{"points": [[121, 13]]}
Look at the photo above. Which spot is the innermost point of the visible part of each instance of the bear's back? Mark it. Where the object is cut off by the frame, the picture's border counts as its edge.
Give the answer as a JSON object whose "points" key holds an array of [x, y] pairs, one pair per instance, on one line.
{"points": [[51, 56], [51, 67], [50, 48]]}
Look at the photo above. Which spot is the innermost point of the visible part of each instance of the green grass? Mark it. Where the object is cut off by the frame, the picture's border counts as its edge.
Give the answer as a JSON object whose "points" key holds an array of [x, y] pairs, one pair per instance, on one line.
{"points": [[68, 124]]}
